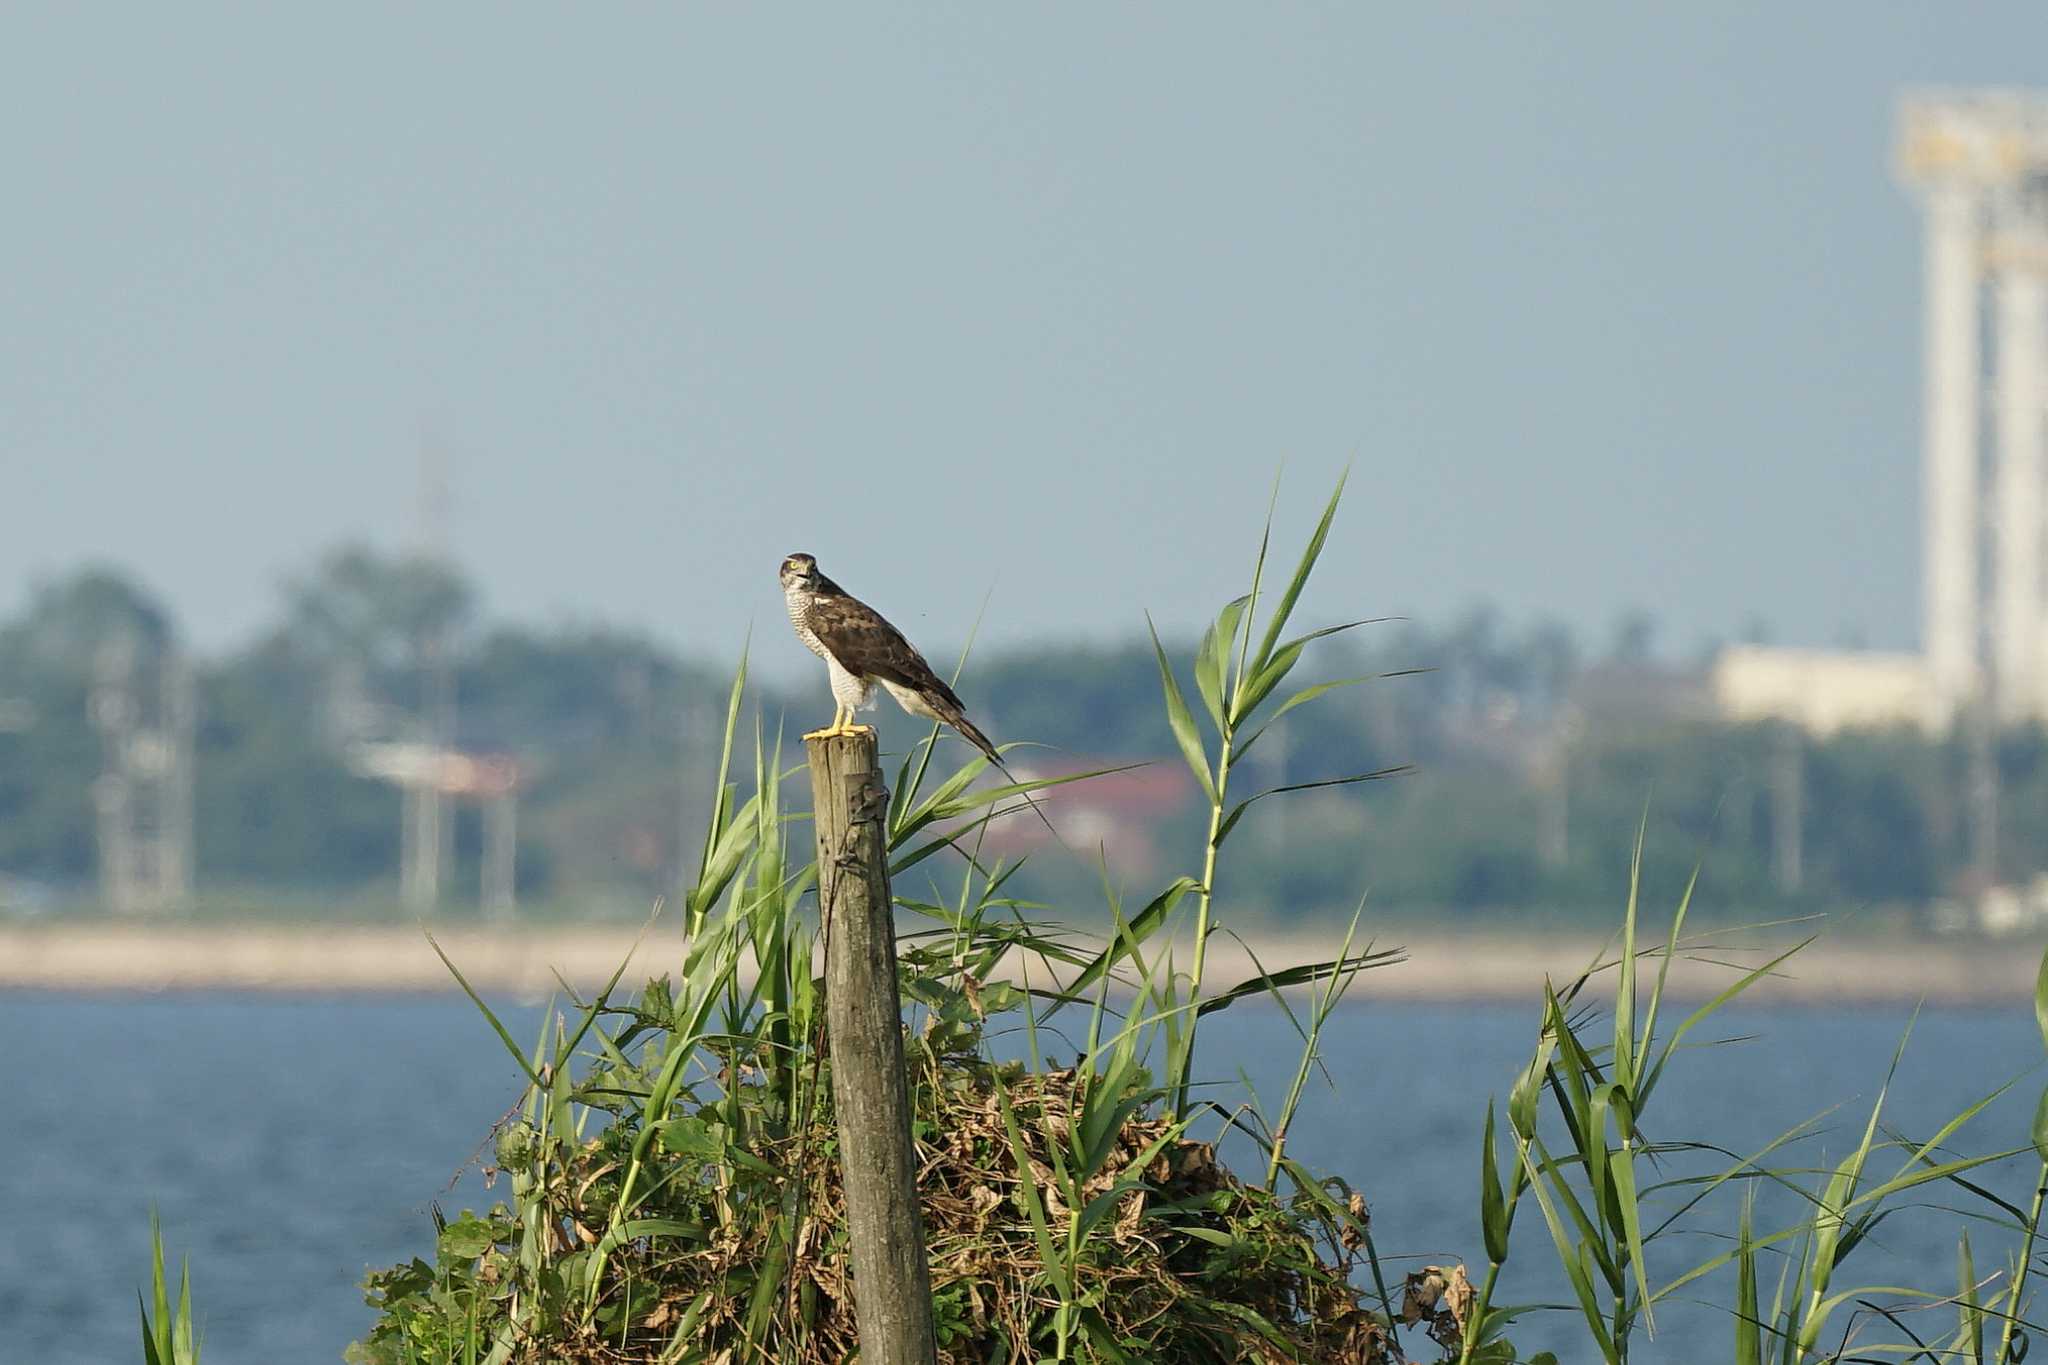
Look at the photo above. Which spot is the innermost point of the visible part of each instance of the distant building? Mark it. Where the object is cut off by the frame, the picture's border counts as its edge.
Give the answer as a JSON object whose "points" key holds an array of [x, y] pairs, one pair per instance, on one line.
{"points": [[1977, 160], [1826, 691]]}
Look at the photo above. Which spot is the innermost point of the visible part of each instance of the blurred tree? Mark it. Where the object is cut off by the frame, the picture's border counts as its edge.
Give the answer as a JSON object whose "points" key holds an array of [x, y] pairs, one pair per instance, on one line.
{"points": [[68, 620], [373, 608], [1088, 700], [579, 689], [49, 752], [275, 804]]}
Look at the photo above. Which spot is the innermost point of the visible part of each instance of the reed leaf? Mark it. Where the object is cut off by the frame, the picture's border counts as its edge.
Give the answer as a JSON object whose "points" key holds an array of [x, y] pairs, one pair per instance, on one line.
{"points": [[1182, 723]]}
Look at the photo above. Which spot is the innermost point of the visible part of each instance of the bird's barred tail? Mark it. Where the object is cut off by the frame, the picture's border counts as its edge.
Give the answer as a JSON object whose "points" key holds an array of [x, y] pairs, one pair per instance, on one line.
{"points": [[968, 731]]}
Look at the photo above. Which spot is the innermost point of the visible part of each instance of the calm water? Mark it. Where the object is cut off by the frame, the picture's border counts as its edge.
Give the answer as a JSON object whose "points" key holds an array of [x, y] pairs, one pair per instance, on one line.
{"points": [[290, 1145]]}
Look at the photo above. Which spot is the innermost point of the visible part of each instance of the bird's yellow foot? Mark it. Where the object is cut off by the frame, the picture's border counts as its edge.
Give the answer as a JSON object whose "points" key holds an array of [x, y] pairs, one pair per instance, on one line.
{"points": [[836, 728], [840, 727]]}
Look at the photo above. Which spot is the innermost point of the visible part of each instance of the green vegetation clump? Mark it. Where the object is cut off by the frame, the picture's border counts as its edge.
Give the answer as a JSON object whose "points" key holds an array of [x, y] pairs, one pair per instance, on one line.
{"points": [[673, 1169], [740, 1243]]}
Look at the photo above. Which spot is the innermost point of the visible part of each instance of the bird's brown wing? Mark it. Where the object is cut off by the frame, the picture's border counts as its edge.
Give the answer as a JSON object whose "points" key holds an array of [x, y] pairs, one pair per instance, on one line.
{"points": [[867, 646]]}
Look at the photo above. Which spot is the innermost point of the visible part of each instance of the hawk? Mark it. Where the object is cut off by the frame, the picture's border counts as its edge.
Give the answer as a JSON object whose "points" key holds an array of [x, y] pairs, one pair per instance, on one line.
{"points": [[861, 649]]}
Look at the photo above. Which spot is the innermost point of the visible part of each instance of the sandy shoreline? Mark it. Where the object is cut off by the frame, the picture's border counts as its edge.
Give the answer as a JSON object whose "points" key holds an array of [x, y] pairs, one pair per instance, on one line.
{"points": [[522, 962]]}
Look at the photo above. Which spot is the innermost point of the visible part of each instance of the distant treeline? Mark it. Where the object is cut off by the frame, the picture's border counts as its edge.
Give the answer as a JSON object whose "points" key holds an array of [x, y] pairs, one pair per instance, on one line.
{"points": [[1536, 761]]}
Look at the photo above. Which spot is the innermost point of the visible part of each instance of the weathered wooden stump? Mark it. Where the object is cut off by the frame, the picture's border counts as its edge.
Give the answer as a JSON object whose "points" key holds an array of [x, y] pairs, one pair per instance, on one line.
{"points": [[871, 1100]]}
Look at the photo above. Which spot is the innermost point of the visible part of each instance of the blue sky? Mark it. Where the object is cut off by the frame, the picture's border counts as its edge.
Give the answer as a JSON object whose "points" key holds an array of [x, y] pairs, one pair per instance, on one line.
{"points": [[1607, 306]]}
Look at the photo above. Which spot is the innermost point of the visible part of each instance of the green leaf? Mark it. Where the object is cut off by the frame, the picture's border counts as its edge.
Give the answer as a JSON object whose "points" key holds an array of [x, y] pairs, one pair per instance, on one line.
{"points": [[691, 1136], [1622, 1171], [1572, 1257], [1139, 928], [1493, 1207], [1027, 1189], [1827, 1233], [1304, 974], [1309, 694], [2041, 997], [949, 801], [2040, 1133], [467, 1238], [729, 851], [150, 1355], [635, 1228], [1748, 1335], [1237, 811], [1183, 723], [1528, 1089], [1210, 659], [1278, 621], [722, 806], [1642, 1084], [1624, 1069], [1275, 670], [1970, 1306], [518, 1053], [1699, 1015]]}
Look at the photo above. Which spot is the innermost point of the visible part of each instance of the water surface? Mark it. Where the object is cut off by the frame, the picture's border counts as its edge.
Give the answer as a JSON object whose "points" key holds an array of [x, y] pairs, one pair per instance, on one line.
{"points": [[291, 1144]]}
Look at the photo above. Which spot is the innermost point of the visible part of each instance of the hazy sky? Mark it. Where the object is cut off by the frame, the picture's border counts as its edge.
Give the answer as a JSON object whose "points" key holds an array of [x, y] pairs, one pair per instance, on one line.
{"points": [[1611, 305]]}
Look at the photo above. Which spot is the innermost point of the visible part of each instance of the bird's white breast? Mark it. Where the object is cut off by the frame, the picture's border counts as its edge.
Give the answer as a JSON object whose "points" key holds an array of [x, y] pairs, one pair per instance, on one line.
{"points": [[848, 690], [799, 604]]}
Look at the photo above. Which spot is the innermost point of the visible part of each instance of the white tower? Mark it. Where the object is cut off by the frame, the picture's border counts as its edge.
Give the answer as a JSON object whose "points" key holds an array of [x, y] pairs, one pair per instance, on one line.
{"points": [[1979, 162]]}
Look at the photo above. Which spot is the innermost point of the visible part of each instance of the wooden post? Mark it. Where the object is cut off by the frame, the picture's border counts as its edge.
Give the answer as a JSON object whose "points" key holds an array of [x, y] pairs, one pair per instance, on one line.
{"points": [[871, 1100]]}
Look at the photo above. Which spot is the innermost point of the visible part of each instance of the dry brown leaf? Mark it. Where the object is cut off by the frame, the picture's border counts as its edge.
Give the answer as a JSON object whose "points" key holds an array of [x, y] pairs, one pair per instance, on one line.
{"points": [[1458, 1294], [1419, 1297], [1129, 1216]]}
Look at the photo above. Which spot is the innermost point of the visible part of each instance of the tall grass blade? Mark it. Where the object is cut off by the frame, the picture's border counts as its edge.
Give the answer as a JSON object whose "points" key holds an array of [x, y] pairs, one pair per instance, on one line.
{"points": [[2041, 998], [167, 1337], [1625, 976], [1184, 732], [1277, 622], [497, 1025], [1237, 811], [1707, 1011], [1970, 1305], [1309, 694], [1493, 1204], [1748, 1334], [1212, 657]]}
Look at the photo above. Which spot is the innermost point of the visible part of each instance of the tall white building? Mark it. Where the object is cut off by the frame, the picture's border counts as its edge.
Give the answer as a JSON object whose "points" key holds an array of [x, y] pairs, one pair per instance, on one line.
{"points": [[1978, 161]]}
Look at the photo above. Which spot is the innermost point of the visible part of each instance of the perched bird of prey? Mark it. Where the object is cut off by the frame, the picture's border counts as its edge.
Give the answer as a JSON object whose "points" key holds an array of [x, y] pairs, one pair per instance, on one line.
{"points": [[861, 649]]}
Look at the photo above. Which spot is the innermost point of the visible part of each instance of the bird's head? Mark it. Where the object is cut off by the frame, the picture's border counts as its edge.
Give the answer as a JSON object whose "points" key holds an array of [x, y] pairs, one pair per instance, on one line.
{"points": [[799, 571]]}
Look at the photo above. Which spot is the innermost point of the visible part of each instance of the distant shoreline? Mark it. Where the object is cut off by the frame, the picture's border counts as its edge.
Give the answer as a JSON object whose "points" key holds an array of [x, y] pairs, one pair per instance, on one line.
{"points": [[1478, 967]]}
